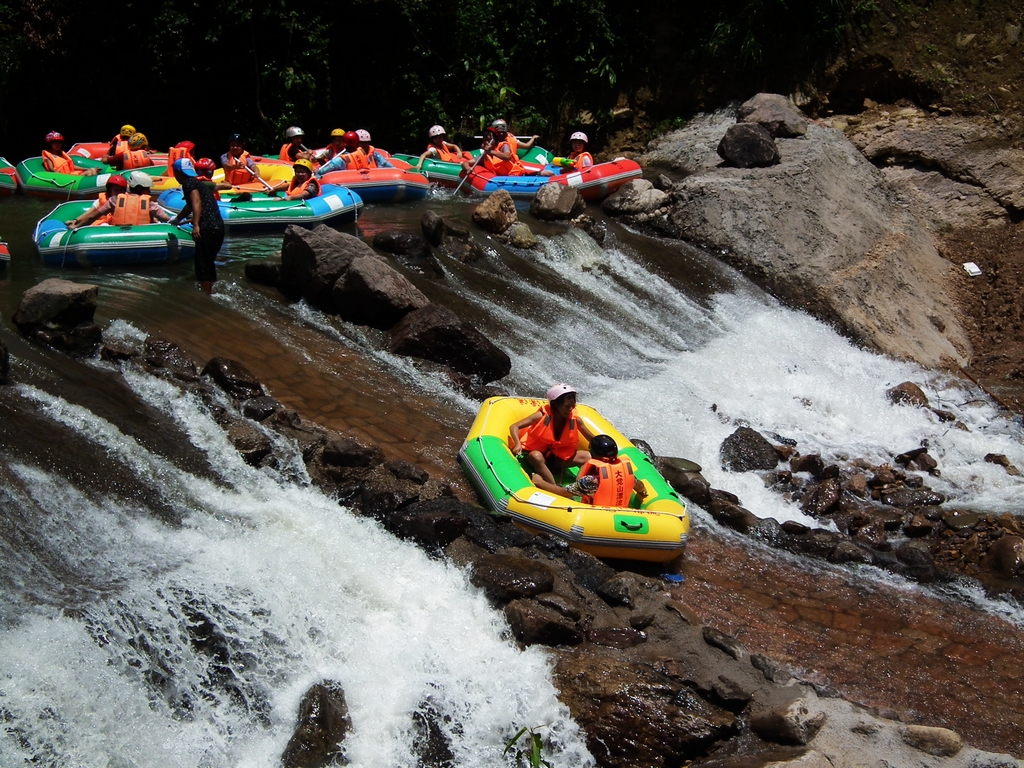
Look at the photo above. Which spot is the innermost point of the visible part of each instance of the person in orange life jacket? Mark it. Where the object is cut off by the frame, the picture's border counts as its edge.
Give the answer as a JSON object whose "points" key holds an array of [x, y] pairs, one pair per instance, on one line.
{"points": [[490, 140], [239, 166], [207, 224], [303, 186], [350, 157], [294, 149], [137, 156], [183, 149], [119, 144], [124, 210], [579, 159], [552, 435], [375, 157], [606, 480], [503, 158], [439, 149], [55, 159], [115, 186], [332, 150]]}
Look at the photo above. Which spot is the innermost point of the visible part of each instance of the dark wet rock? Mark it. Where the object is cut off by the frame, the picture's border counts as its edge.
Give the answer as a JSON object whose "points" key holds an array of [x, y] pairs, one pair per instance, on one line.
{"points": [[556, 202], [725, 643], [561, 604], [960, 520], [519, 235], [793, 528], [438, 334], [400, 243], [616, 637], [431, 744], [625, 589], [313, 260], [636, 196], [433, 227], [597, 230], [323, 724], [1005, 558], [918, 526], [119, 350], [917, 559], [817, 542], [5, 364], [167, 357], [791, 724], [251, 443], [260, 408], [748, 145], [771, 669], [812, 463], [911, 497], [775, 113], [536, 624], [849, 552], [940, 742], [732, 515], [589, 571], [345, 451], [822, 498], [745, 450], [506, 577], [907, 393], [432, 524], [59, 313], [406, 470], [691, 484], [857, 484], [497, 213], [308, 436], [234, 378], [369, 291], [633, 714], [263, 272]]}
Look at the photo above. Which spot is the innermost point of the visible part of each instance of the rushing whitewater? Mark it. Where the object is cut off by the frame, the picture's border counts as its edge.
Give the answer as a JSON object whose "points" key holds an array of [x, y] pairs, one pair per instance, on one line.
{"points": [[126, 641]]}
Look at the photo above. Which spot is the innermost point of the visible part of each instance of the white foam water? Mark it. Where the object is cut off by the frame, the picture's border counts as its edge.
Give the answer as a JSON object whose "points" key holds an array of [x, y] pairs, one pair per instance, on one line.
{"points": [[193, 645]]}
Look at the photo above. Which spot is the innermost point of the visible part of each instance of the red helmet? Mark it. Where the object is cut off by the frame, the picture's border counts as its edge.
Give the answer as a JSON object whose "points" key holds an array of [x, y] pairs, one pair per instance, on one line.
{"points": [[186, 145], [204, 166], [53, 136], [118, 181], [351, 138]]}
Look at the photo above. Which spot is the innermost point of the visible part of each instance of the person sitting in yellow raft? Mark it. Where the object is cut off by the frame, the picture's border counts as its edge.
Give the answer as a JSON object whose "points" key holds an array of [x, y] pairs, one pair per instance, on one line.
{"points": [[303, 186], [552, 434], [55, 159], [607, 480]]}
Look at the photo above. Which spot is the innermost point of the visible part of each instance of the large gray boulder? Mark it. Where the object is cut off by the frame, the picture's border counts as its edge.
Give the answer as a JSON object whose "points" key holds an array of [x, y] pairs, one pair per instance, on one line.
{"points": [[634, 197], [497, 213], [59, 313], [775, 113], [371, 292], [436, 333], [312, 260], [555, 202], [824, 232]]}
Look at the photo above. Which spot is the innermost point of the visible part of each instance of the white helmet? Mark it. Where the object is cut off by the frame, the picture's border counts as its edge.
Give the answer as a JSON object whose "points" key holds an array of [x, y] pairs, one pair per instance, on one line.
{"points": [[363, 134], [436, 130], [292, 132], [140, 179], [500, 124], [579, 136]]}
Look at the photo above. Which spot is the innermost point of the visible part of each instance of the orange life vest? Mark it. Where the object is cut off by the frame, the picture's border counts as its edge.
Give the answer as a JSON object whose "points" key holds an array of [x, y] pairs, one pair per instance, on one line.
{"points": [[510, 167], [284, 153], [176, 153], [577, 162], [356, 160], [294, 191], [444, 154], [615, 482], [131, 210], [540, 436], [136, 158], [239, 175], [61, 163], [105, 218]]}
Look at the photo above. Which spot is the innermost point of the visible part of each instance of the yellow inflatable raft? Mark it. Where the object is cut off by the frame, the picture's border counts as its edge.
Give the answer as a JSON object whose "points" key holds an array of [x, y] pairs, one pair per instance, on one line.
{"points": [[655, 531]]}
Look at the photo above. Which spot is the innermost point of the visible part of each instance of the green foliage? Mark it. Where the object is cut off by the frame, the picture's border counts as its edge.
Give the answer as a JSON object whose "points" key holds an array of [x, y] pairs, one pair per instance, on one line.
{"points": [[529, 755]]}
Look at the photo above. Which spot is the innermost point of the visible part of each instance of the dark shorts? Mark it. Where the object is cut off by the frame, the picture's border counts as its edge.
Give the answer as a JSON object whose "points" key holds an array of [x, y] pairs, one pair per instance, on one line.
{"points": [[207, 248]]}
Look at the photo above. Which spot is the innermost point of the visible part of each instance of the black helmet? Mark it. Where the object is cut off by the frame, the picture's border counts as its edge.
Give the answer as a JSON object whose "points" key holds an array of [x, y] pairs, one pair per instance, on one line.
{"points": [[604, 447], [235, 137]]}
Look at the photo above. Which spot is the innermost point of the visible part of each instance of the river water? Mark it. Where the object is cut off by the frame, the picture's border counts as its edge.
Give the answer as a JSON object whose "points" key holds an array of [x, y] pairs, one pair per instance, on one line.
{"points": [[131, 522]]}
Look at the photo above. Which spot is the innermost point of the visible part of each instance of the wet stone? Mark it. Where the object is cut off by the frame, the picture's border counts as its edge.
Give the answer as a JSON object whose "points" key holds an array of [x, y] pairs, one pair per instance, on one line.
{"points": [[506, 577], [616, 637]]}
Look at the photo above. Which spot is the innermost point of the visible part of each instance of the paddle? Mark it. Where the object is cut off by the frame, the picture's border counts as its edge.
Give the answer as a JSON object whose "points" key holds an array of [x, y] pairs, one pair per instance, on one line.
{"points": [[270, 190], [483, 153]]}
